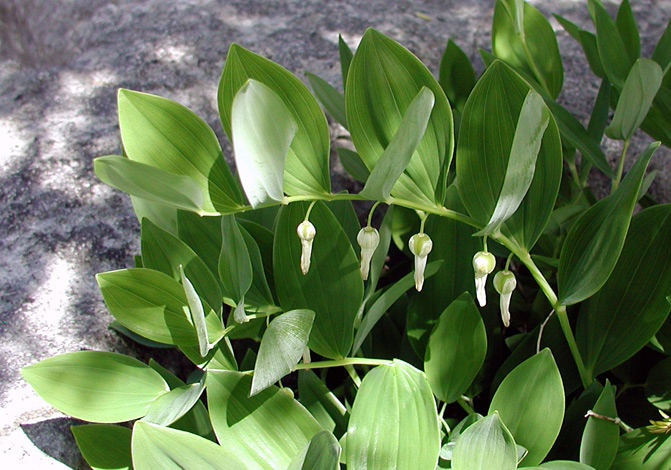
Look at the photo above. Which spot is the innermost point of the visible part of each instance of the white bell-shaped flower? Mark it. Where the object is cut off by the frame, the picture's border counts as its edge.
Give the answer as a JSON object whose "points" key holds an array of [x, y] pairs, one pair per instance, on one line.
{"points": [[368, 239], [483, 264], [420, 245], [306, 232], [505, 283]]}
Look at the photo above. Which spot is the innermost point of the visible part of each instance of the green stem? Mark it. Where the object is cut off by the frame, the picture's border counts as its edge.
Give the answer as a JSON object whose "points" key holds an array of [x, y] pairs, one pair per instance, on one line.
{"points": [[437, 210], [372, 210], [343, 362], [620, 166], [307, 213], [355, 377], [466, 406]]}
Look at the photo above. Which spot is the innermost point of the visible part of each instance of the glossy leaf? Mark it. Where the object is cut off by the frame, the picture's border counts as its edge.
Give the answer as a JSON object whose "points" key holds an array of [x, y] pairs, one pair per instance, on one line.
{"points": [[642, 450], [633, 295], [485, 445], [522, 37], [593, 245], [486, 137], [456, 350], [393, 423], [658, 384], [158, 447], [96, 386], [635, 101], [600, 437], [612, 50], [306, 168], [169, 408], [456, 76], [235, 265], [265, 431], [332, 288], [281, 348], [321, 402], [321, 453], [383, 80], [103, 446], [150, 183], [166, 135], [332, 100], [352, 163], [530, 401], [262, 129]]}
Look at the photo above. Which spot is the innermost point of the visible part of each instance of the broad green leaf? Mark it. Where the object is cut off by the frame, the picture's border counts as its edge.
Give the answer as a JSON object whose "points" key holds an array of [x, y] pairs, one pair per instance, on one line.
{"points": [[345, 59], [197, 314], [523, 38], [259, 293], [262, 129], [456, 76], [119, 328], [150, 183], [235, 265], [203, 235], [642, 450], [612, 50], [96, 386], [530, 401], [332, 288], [485, 445], [352, 163], [593, 245], [393, 423], [332, 100], [456, 350], [166, 135], [560, 465], [600, 437], [643, 81], [164, 252], [321, 402], [396, 157], [383, 80], [161, 215], [158, 447], [265, 431], [486, 136], [588, 42], [633, 295], [658, 384], [281, 348], [306, 168], [169, 408], [662, 52], [348, 219], [626, 26], [104, 446], [533, 120], [321, 453], [152, 304]]}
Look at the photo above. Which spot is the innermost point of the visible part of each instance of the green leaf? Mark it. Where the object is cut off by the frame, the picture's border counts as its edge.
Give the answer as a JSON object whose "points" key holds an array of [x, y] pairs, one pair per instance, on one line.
{"points": [[235, 265], [281, 348], [642, 450], [523, 38], [321, 402], [485, 445], [150, 183], [265, 431], [103, 446], [486, 137], [456, 350], [626, 26], [345, 59], [593, 245], [635, 101], [158, 447], [588, 42], [152, 304], [600, 437], [169, 408], [352, 163], [396, 157], [612, 50], [561, 465], [161, 215], [633, 295], [96, 386], [332, 288], [259, 293], [599, 117], [393, 423], [456, 75], [166, 135], [332, 100], [197, 314], [662, 52], [203, 235], [533, 120], [321, 453], [262, 129], [164, 252], [658, 384], [306, 168], [530, 401], [384, 78]]}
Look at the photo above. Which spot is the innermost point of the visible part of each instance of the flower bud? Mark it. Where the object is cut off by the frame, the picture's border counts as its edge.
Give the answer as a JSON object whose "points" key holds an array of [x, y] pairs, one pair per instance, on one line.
{"points": [[306, 232], [483, 264], [505, 283], [420, 245], [368, 239]]}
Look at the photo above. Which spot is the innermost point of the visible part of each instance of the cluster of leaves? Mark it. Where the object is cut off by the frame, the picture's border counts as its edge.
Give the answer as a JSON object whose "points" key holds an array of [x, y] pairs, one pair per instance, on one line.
{"points": [[224, 278]]}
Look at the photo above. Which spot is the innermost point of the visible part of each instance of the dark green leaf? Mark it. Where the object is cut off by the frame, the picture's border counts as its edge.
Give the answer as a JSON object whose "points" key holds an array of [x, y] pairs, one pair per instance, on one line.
{"points": [[599, 117], [203, 235], [662, 52], [588, 42], [642, 450], [658, 384], [456, 75], [600, 437], [612, 50], [321, 402], [235, 265], [626, 26], [485, 445], [321, 453], [119, 328], [259, 293], [352, 163], [345, 59], [103, 446], [332, 100]]}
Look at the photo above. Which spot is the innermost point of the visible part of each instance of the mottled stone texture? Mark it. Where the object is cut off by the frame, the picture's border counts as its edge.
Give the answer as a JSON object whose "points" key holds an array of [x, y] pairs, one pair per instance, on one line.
{"points": [[61, 62]]}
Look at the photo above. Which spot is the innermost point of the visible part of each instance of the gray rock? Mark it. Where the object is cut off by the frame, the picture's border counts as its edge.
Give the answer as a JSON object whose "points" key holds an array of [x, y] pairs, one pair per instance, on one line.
{"points": [[61, 63]]}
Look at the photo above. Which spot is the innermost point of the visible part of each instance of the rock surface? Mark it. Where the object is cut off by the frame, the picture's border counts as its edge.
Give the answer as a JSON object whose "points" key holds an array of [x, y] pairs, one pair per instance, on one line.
{"points": [[61, 63]]}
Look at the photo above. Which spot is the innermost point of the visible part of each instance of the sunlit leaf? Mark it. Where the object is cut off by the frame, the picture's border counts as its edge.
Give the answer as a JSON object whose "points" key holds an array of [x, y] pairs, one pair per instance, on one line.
{"points": [[321, 453], [485, 445], [103, 446]]}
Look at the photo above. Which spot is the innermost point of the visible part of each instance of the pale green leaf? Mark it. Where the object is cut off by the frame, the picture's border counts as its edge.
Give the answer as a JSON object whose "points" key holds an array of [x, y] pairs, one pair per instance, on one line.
{"points": [[485, 445], [197, 314], [172, 406], [235, 265], [321, 402], [321, 453]]}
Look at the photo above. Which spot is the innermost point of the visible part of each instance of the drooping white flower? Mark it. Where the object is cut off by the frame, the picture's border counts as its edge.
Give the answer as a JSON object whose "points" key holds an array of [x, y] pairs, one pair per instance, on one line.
{"points": [[420, 245], [368, 239], [306, 232], [483, 264], [505, 283]]}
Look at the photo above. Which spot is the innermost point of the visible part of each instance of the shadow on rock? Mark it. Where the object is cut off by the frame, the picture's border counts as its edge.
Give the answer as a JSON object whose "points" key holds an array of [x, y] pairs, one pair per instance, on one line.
{"points": [[54, 438]]}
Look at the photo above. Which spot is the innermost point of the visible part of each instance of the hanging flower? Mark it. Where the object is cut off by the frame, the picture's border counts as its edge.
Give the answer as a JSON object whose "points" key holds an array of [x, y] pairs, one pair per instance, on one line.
{"points": [[368, 239], [306, 232], [505, 283], [483, 264], [420, 245]]}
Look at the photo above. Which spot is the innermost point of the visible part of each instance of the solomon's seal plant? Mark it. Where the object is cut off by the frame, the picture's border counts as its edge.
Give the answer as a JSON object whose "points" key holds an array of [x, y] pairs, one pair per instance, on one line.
{"points": [[313, 351]]}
